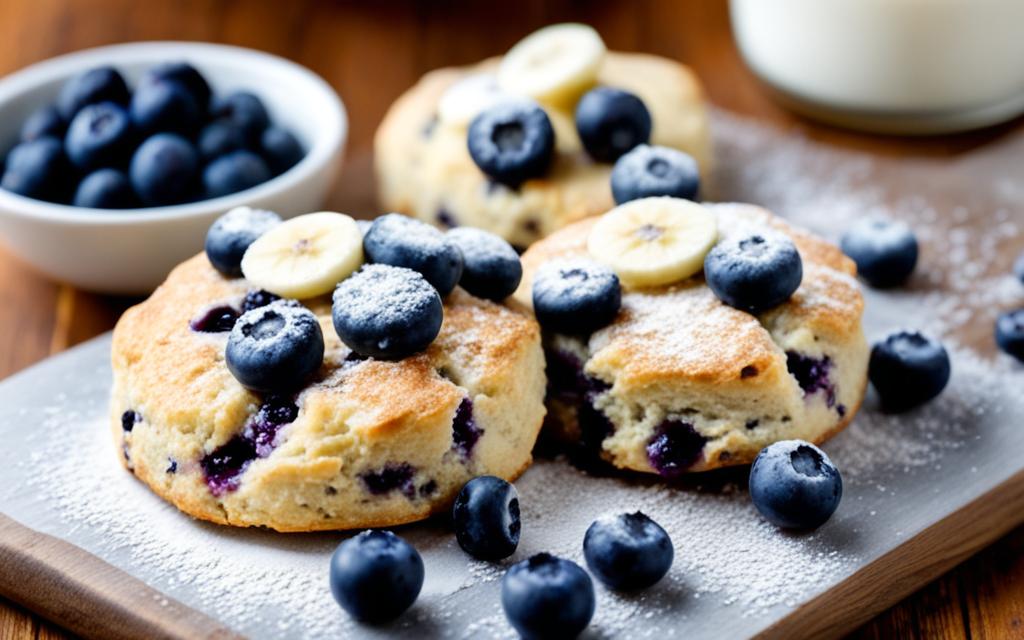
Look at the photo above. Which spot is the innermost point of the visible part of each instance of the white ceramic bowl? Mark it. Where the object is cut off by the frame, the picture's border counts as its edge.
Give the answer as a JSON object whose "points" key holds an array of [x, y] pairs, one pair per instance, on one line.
{"points": [[130, 251]]}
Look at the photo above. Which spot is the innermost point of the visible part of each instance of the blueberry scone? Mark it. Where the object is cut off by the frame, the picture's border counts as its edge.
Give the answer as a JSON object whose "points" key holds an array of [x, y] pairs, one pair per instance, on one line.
{"points": [[683, 337], [524, 145], [299, 376]]}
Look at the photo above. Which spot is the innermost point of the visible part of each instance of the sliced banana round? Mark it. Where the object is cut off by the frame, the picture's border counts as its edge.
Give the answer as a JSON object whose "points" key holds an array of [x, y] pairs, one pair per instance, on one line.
{"points": [[306, 256], [465, 99], [554, 65], [654, 241]]}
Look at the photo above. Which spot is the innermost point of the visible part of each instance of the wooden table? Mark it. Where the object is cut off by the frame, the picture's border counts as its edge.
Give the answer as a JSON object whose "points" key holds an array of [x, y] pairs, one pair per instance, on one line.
{"points": [[371, 52]]}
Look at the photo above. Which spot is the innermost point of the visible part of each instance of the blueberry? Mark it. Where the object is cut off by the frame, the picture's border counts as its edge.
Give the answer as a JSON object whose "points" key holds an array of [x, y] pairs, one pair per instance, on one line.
{"points": [[376, 575], [490, 266], [100, 136], [101, 84], [575, 297], [44, 121], [219, 319], [754, 272], [387, 312], [611, 122], [232, 233], [674, 448], [186, 75], [512, 142], [794, 485], [1010, 333], [280, 149], [257, 298], [237, 171], [275, 348], [628, 551], [244, 110], [547, 597], [486, 518], [106, 189], [885, 251], [164, 170], [164, 105], [1018, 268], [648, 171], [37, 169], [401, 241], [908, 369]]}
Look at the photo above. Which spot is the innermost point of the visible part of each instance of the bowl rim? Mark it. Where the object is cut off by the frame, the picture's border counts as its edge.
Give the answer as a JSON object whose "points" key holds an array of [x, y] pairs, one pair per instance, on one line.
{"points": [[321, 151]]}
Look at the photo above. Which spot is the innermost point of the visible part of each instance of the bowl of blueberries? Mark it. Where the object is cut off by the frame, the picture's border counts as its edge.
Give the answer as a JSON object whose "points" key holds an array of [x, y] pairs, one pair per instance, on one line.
{"points": [[115, 160]]}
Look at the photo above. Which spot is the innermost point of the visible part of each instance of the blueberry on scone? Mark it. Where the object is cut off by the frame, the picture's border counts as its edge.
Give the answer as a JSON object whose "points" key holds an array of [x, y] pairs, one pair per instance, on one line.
{"points": [[1010, 333], [794, 485], [885, 251], [105, 189], [164, 105], [547, 597], [244, 110], [648, 171], [231, 234], [628, 551], [611, 122], [236, 171], [44, 121], [100, 135], [401, 241], [37, 169], [754, 272], [486, 518], [281, 149], [275, 348], [101, 84], [184, 74], [490, 266], [512, 142], [164, 169], [376, 576], [907, 369], [575, 297]]}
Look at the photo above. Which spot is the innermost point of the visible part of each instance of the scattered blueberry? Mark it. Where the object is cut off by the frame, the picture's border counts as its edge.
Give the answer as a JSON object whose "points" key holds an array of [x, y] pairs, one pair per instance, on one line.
{"points": [[885, 251], [547, 597], [100, 136], [101, 84], [164, 170], [275, 348], [236, 171], [611, 122], [401, 241], [243, 109], [908, 369], [281, 149], [376, 576], [575, 297], [754, 272], [183, 73], [674, 448], [219, 138], [37, 169], [232, 233], [649, 171], [44, 121], [794, 485], [257, 298], [219, 319], [486, 518], [491, 267], [628, 551], [1010, 333], [105, 189], [164, 105], [512, 142]]}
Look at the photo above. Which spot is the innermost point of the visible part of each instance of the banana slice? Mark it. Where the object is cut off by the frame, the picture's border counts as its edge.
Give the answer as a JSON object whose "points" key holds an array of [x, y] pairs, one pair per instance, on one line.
{"points": [[654, 241], [306, 256], [465, 99], [554, 65]]}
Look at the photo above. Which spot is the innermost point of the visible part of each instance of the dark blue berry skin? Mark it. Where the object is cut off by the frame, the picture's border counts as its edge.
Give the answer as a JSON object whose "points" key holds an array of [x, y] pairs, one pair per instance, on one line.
{"points": [[38, 169], [275, 348], [386, 312], [280, 149], [106, 189], [885, 251], [186, 75], [376, 576], [232, 233], [102, 84], [908, 369], [794, 485], [164, 105], [547, 597], [754, 272], [101, 135], [237, 171], [44, 121], [628, 551], [220, 138], [244, 110], [648, 171], [490, 266], [611, 122], [512, 142], [576, 297], [486, 518], [401, 241], [1010, 333], [164, 170]]}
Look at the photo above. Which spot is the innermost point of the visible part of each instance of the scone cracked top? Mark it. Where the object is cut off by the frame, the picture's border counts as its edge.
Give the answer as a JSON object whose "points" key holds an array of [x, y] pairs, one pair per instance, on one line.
{"points": [[683, 337], [524, 145], [264, 400]]}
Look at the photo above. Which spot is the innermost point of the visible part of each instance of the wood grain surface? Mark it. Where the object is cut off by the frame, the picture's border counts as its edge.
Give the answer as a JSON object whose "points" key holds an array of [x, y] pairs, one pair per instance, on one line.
{"points": [[370, 52]]}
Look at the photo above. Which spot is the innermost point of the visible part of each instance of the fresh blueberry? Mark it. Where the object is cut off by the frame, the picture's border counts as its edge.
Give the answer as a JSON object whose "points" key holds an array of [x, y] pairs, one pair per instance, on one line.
{"points": [[401, 241], [237, 171], [628, 551], [164, 170], [907, 369], [648, 171], [1010, 333], [486, 518], [611, 122], [754, 272], [106, 189], [220, 138], [376, 576], [275, 348], [100, 136], [257, 298], [183, 73], [575, 297], [164, 105], [794, 485], [101, 84], [512, 142], [232, 233], [44, 121], [491, 267], [244, 110], [37, 169], [885, 251], [281, 149], [1018, 268], [547, 597]]}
